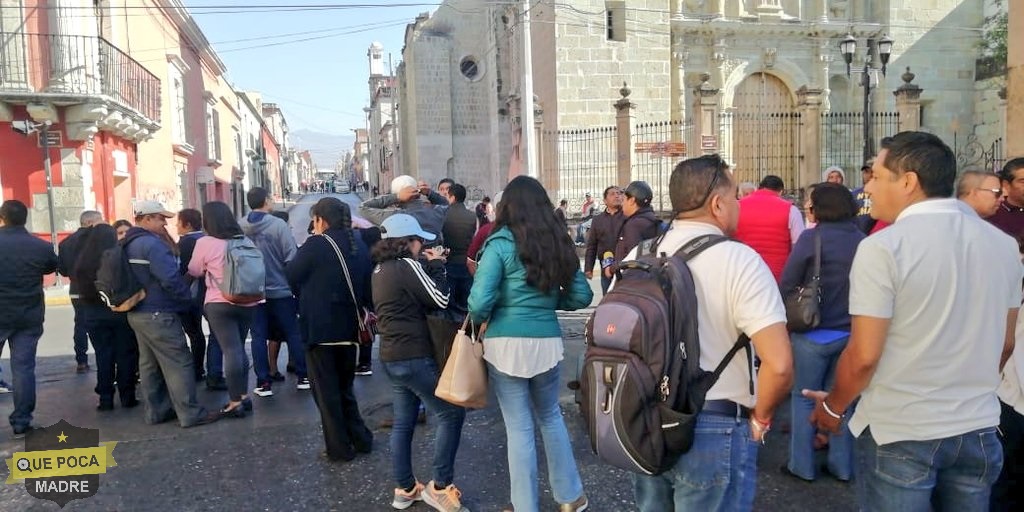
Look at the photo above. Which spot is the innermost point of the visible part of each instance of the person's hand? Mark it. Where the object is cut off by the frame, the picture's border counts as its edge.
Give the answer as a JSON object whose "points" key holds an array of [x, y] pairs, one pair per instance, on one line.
{"points": [[424, 188], [759, 428], [589, 274], [407, 194], [471, 266], [480, 333], [434, 253], [607, 272], [820, 418]]}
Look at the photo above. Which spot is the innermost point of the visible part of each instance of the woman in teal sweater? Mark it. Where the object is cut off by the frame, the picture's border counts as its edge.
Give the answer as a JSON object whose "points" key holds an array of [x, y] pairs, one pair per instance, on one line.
{"points": [[528, 270]]}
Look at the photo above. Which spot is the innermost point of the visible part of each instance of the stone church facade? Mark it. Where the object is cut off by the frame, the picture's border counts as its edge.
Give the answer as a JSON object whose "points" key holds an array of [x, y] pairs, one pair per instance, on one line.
{"points": [[762, 82]]}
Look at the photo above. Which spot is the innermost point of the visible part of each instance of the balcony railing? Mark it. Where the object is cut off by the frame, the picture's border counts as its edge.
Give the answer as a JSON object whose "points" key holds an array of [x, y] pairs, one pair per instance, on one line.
{"points": [[77, 65]]}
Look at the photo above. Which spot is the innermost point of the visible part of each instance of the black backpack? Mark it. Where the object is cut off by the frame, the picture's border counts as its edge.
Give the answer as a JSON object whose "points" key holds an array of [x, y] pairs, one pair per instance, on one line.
{"points": [[116, 282], [642, 384]]}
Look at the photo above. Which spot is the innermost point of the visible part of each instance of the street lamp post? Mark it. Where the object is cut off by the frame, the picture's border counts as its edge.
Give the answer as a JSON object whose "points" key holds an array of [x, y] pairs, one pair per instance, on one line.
{"points": [[848, 47]]}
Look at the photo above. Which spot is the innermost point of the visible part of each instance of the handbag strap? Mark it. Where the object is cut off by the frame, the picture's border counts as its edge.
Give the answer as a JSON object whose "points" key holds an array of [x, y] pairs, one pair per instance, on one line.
{"points": [[348, 278], [817, 255]]}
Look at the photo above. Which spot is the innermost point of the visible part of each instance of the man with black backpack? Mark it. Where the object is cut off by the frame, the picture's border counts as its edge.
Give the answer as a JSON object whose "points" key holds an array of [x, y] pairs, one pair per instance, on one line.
{"points": [[165, 363], [734, 296]]}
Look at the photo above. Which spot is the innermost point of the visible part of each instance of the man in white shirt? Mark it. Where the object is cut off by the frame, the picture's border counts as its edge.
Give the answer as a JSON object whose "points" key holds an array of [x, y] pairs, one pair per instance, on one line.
{"points": [[736, 294], [934, 300]]}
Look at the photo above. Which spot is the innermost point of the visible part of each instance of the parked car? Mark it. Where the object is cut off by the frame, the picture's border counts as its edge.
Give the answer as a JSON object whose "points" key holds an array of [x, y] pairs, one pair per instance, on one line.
{"points": [[342, 187]]}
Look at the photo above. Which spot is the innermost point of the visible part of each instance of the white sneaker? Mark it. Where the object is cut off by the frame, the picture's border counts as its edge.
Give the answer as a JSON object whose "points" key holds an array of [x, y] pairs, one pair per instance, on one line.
{"points": [[303, 384], [264, 390]]}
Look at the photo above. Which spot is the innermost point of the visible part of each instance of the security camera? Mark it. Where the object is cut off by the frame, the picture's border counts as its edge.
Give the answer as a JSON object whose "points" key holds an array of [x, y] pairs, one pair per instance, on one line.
{"points": [[23, 127]]}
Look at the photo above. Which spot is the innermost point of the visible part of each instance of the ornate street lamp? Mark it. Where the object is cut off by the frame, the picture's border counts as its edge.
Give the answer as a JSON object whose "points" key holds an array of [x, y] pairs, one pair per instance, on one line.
{"points": [[848, 47]]}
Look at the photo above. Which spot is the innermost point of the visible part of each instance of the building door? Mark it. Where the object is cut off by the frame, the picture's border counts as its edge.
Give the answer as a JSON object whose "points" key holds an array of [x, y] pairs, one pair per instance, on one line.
{"points": [[763, 130]]}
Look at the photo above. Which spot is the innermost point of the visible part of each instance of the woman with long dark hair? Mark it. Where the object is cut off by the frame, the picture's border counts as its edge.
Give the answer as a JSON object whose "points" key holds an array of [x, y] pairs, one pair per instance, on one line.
{"points": [[404, 291], [117, 351], [229, 322], [528, 270], [329, 322]]}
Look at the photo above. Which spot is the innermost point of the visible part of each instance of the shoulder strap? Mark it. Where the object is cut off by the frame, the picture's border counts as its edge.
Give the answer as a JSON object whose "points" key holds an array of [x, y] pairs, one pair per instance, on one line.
{"points": [[348, 277], [698, 245], [817, 254]]}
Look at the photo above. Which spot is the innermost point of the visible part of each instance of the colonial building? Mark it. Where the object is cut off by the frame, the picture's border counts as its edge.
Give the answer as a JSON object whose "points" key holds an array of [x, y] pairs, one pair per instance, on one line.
{"points": [[383, 140], [65, 74], [763, 82]]}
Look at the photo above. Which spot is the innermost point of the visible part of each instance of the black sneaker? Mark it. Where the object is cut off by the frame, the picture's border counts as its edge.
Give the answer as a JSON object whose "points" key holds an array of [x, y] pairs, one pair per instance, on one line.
{"points": [[20, 432], [303, 384], [106, 404], [82, 368], [5, 387], [364, 370], [206, 419], [264, 390], [276, 377]]}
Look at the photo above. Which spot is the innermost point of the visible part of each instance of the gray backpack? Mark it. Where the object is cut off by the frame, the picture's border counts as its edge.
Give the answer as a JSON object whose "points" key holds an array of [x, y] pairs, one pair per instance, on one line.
{"points": [[642, 385], [245, 276]]}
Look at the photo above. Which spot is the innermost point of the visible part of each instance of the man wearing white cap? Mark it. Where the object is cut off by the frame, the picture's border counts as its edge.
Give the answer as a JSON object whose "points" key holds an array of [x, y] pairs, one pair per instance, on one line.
{"points": [[427, 207], [165, 363]]}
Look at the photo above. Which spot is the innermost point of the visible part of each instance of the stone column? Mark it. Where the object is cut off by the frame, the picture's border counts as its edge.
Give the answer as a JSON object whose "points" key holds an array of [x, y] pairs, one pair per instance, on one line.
{"points": [[706, 116], [1015, 80], [624, 136], [908, 103], [809, 105], [677, 89]]}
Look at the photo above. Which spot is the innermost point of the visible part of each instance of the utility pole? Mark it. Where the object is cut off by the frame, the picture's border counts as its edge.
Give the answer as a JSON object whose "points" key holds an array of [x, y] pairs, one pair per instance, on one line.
{"points": [[27, 128], [528, 140]]}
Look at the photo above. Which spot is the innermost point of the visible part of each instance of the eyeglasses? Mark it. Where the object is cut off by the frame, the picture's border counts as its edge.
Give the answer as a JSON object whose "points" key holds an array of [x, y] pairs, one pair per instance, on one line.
{"points": [[998, 192], [720, 167]]}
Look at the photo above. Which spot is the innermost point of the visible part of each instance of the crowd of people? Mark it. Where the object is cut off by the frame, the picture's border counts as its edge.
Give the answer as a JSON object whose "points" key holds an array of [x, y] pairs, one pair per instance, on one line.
{"points": [[909, 379]]}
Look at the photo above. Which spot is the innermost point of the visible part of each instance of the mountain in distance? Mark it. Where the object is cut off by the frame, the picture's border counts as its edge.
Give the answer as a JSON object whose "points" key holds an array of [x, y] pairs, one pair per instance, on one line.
{"points": [[325, 148]]}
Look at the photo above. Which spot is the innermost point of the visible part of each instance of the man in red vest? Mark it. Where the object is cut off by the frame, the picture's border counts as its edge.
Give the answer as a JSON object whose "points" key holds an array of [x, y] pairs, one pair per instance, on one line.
{"points": [[769, 224]]}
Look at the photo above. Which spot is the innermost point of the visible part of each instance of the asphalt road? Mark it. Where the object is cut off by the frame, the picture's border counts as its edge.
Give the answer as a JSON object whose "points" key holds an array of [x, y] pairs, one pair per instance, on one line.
{"points": [[269, 460]]}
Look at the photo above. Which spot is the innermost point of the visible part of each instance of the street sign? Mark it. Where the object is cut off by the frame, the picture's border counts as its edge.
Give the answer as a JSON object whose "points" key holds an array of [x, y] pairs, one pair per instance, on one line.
{"points": [[53, 139], [663, 149], [708, 142], [204, 174]]}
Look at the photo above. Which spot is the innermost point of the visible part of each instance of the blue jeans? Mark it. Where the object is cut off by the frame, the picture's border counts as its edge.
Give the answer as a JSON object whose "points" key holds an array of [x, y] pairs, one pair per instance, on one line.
{"points": [[951, 474], [23, 344], [719, 473], [284, 313], [413, 381], [521, 399], [231, 323], [816, 369]]}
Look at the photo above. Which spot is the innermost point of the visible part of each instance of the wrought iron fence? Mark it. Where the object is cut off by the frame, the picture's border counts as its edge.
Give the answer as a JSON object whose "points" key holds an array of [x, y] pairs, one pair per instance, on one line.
{"points": [[842, 139], [82, 65], [658, 147], [759, 144], [971, 154], [580, 161]]}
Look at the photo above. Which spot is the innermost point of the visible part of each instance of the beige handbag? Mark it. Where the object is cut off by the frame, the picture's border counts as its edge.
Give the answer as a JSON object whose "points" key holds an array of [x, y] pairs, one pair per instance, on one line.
{"points": [[463, 381]]}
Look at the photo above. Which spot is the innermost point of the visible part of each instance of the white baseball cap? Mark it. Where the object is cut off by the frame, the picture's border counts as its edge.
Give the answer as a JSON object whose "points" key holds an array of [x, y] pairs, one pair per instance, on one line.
{"points": [[401, 225], [151, 208]]}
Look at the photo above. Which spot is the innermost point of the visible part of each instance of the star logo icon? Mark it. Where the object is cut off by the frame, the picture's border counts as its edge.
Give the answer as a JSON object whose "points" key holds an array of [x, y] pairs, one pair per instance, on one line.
{"points": [[62, 438]]}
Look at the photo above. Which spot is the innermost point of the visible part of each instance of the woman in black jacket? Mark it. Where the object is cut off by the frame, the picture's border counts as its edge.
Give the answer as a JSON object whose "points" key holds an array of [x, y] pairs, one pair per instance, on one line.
{"points": [[329, 323], [117, 352], [404, 291]]}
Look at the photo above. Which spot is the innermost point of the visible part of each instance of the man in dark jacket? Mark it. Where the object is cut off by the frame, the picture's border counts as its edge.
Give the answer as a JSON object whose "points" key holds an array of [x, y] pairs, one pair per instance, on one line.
{"points": [[459, 227], [640, 221], [165, 363], [604, 236], [26, 260], [190, 229], [67, 255], [274, 239]]}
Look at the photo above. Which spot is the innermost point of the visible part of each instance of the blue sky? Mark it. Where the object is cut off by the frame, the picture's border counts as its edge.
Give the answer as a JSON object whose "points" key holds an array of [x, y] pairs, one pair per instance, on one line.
{"points": [[320, 83]]}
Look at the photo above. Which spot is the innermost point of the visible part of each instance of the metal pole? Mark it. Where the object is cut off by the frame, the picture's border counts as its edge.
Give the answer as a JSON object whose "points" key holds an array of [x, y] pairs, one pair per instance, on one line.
{"points": [[44, 141]]}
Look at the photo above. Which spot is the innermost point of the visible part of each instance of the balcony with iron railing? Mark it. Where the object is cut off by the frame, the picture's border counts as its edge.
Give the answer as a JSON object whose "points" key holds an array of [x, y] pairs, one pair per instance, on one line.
{"points": [[68, 69]]}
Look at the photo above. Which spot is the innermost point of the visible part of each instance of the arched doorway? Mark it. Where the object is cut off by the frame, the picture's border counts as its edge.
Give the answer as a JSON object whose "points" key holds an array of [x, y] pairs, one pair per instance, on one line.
{"points": [[763, 128]]}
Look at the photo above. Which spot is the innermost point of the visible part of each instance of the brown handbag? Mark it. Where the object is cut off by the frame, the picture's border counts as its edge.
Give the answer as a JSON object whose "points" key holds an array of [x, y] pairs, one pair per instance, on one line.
{"points": [[463, 381]]}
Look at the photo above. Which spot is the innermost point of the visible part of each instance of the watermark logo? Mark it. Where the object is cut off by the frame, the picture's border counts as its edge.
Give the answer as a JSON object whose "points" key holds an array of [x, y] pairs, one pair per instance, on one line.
{"points": [[62, 462]]}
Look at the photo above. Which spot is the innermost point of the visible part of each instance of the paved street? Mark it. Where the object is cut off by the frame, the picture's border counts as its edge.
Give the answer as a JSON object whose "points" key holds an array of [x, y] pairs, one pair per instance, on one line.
{"points": [[269, 460]]}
